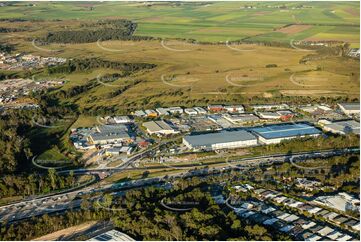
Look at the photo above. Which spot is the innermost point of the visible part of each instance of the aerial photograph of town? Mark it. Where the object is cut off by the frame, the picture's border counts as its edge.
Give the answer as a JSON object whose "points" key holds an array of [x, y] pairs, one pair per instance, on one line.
{"points": [[180, 120]]}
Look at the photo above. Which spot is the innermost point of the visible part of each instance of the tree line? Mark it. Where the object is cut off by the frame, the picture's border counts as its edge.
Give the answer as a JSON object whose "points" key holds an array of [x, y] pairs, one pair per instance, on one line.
{"points": [[144, 218], [119, 29], [91, 63], [34, 183]]}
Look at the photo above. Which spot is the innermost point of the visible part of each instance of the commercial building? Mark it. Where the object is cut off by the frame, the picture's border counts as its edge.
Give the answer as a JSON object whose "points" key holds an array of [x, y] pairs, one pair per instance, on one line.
{"points": [[107, 134], [220, 120], [350, 108], [234, 109], [200, 110], [341, 201], [175, 110], [269, 115], [111, 133], [159, 127], [221, 140], [286, 115], [151, 113], [112, 235], [139, 113], [241, 118], [190, 111], [342, 127], [162, 111], [273, 134], [270, 107], [215, 108], [122, 120]]}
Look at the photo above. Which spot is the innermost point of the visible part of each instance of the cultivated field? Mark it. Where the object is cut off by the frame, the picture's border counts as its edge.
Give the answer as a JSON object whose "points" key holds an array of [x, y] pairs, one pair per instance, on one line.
{"points": [[216, 21]]}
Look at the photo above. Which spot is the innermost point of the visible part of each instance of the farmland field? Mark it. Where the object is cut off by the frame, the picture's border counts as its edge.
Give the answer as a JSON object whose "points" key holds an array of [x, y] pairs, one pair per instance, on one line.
{"points": [[214, 21]]}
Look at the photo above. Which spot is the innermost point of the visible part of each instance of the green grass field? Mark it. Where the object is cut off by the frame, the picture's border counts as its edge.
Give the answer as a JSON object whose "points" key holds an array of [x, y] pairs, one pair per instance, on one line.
{"points": [[215, 21]]}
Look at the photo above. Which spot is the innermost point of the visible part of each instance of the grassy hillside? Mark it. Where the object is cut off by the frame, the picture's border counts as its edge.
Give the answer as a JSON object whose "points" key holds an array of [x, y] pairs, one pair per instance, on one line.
{"points": [[205, 73]]}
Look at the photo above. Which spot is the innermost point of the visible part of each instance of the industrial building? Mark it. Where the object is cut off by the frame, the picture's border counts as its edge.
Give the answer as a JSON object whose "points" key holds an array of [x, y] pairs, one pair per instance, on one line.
{"points": [[350, 108], [112, 235], [234, 109], [162, 111], [139, 113], [215, 108], [270, 107], [341, 127], [151, 113], [159, 127], [273, 134], [269, 115], [175, 110], [200, 110], [107, 134], [190, 111], [122, 120], [221, 140], [241, 118]]}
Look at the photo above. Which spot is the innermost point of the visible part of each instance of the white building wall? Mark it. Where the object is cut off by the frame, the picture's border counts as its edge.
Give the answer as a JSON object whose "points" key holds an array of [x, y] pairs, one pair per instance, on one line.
{"points": [[236, 144], [278, 140]]}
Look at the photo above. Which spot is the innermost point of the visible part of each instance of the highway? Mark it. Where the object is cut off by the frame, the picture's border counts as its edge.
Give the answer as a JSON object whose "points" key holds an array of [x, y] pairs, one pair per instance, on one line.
{"points": [[62, 202]]}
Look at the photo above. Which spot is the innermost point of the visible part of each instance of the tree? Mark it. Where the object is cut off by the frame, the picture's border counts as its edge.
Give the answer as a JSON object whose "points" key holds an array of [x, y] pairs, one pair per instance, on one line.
{"points": [[53, 178]]}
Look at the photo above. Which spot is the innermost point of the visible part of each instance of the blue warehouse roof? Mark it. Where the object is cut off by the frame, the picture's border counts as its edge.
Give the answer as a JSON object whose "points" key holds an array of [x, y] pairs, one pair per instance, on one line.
{"points": [[285, 130]]}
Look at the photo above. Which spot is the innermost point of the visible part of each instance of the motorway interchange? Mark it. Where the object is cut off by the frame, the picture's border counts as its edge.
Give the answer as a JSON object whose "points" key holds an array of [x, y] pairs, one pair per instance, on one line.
{"points": [[61, 202]]}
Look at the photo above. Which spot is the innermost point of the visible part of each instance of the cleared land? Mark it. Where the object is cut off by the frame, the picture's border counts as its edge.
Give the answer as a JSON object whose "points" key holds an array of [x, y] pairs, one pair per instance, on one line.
{"points": [[58, 235], [190, 74]]}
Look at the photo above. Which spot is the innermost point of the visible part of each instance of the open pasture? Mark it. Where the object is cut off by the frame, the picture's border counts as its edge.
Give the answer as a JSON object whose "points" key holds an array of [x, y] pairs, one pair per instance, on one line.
{"points": [[189, 73]]}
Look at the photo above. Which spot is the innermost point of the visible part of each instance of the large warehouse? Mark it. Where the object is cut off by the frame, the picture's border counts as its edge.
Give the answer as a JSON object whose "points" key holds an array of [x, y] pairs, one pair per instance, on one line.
{"points": [[107, 134], [159, 127], [221, 140], [273, 134], [350, 108]]}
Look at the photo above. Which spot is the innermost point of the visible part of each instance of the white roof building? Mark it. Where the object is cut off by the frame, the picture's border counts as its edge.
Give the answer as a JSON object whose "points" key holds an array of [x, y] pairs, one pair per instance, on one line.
{"points": [[122, 119], [343, 127], [234, 108], [308, 225], [162, 111], [325, 231], [112, 235], [269, 115], [314, 237], [241, 118], [270, 106], [350, 108], [159, 127], [139, 113], [334, 235], [200, 110], [190, 111], [341, 201], [175, 110]]}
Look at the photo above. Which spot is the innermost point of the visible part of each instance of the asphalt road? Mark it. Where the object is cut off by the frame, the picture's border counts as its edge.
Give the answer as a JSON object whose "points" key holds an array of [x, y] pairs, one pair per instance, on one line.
{"points": [[65, 201]]}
